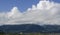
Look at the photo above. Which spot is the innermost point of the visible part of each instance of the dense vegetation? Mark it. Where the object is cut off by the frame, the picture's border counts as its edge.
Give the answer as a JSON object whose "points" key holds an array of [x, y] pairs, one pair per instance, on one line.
{"points": [[2, 33]]}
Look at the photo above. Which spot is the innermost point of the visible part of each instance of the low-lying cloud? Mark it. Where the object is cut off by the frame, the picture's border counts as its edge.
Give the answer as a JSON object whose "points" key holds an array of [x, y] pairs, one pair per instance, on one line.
{"points": [[44, 12]]}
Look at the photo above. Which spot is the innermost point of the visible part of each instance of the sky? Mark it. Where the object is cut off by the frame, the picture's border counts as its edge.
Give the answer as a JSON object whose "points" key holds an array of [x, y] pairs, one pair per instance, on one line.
{"points": [[44, 12], [23, 5], [6, 5]]}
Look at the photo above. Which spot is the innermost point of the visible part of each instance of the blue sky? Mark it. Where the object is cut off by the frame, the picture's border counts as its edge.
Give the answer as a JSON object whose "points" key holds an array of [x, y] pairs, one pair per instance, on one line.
{"points": [[7, 5], [44, 12]]}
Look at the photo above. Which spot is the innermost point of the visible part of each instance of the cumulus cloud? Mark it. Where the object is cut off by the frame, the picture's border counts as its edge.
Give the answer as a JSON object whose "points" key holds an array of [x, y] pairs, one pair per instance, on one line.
{"points": [[45, 12]]}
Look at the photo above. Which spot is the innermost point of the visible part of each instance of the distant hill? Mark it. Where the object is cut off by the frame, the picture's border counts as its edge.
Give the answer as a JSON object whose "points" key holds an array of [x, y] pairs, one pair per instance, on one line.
{"points": [[30, 28]]}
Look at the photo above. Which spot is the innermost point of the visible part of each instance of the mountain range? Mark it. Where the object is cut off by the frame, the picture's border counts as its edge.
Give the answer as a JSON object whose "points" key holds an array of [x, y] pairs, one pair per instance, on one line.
{"points": [[27, 28]]}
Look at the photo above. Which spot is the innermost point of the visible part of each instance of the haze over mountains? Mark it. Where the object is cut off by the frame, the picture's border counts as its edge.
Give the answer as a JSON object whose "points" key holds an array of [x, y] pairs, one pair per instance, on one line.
{"points": [[44, 13]]}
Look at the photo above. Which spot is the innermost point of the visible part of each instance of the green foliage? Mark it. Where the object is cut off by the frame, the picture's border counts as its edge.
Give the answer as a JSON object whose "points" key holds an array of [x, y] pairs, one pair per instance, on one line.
{"points": [[2, 33]]}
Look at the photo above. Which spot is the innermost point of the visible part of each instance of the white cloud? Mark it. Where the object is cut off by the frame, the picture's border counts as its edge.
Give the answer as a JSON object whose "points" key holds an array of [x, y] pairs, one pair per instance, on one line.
{"points": [[44, 12]]}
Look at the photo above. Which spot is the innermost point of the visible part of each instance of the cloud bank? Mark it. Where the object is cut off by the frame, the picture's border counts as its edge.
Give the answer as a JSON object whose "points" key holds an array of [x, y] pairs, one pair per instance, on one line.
{"points": [[45, 12]]}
